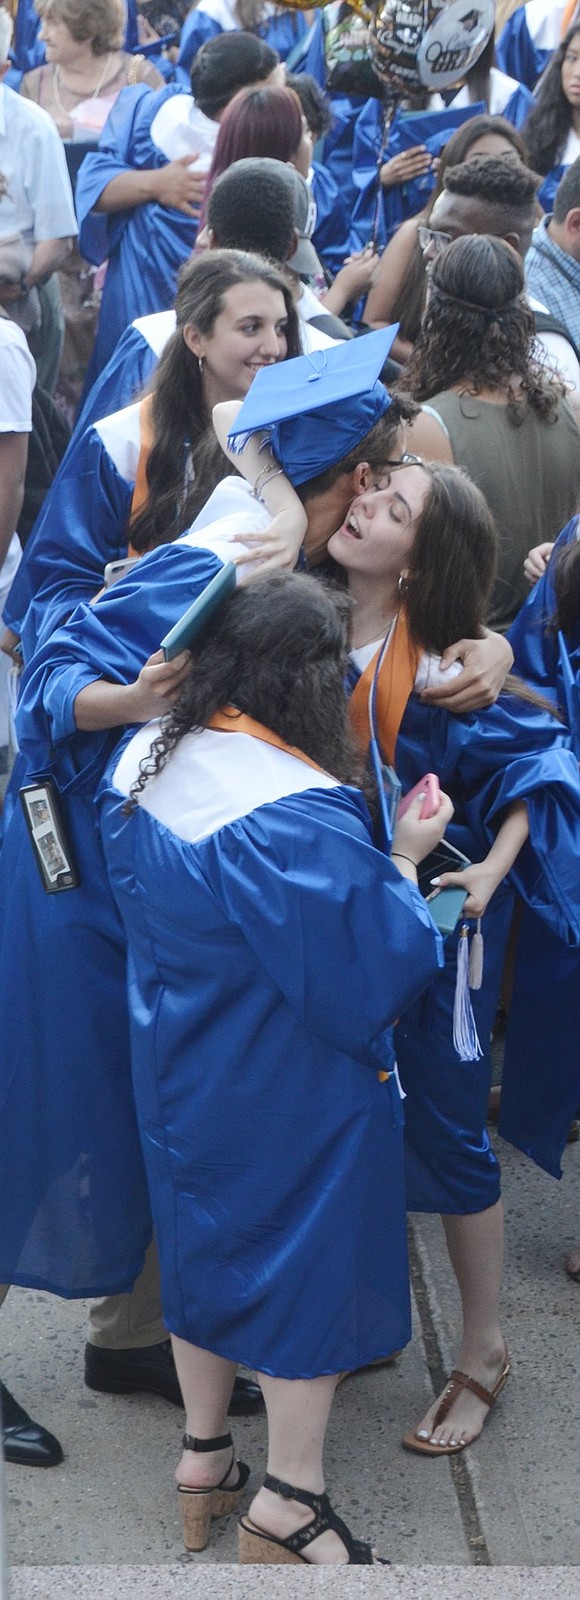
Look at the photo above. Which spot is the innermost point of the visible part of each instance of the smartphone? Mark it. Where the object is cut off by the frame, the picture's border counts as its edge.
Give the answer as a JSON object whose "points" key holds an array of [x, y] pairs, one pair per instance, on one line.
{"points": [[389, 795], [447, 907], [429, 786], [117, 569], [42, 808], [196, 618]]}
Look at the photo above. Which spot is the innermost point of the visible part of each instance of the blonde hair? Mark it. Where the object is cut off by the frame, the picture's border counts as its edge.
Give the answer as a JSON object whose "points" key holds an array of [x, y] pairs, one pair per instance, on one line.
{"points": [[101, 21], [6, 31]]}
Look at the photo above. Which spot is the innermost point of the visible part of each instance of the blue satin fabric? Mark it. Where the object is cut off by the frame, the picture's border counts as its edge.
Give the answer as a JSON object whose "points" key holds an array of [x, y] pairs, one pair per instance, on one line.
{"points": [[549, 185], [82, 525], [484, 761], [145, 246], [541, 1073], [516, 53], [266, 965], [73, 1199], [121, 382], [283, 32], [331, 237], [379, 212]]}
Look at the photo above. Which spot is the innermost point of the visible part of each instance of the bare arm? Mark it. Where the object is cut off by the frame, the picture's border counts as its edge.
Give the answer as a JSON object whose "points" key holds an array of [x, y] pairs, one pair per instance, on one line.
{"points": [[177, 186], [48, 255], [394, 266], [278, 547], [102, 705], [484, 877], [13, 458], [427, 437]]}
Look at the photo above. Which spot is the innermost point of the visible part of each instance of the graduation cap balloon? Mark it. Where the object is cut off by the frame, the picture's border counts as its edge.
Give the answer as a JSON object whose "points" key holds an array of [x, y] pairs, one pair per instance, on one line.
{"points": [[318, 407], [428, 44]]}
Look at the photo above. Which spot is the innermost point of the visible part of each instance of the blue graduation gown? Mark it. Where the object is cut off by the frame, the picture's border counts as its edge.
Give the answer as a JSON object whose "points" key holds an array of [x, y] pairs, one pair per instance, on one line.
{"points": [[267, 962], [73, 1197], [146, 245], [484, 761], [541, 1073], [331, 237], [517, 52], [123, 379], [282, 31], [378, 212], [83, 525]]}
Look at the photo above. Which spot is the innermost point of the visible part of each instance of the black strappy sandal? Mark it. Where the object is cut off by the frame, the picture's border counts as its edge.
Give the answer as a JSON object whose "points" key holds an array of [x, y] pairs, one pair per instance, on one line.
{"points": [[257, 1547], [199, 1506]]}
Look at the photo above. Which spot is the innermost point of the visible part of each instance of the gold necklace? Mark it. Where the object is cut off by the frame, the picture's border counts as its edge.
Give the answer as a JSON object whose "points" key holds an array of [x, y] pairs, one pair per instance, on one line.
{"points": [[93, 95]]}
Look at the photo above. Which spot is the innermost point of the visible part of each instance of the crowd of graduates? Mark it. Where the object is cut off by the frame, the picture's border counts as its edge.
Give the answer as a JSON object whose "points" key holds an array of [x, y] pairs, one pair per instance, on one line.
{"points": [[279, 341]]}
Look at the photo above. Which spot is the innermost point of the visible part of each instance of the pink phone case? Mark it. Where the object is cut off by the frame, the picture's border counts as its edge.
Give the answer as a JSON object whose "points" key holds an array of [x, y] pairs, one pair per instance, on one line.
{"points": [[429, 786]]}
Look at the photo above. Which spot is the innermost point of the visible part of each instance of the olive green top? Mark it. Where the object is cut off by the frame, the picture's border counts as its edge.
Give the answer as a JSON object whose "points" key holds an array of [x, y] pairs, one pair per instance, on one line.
{"points": [[530, 476]]}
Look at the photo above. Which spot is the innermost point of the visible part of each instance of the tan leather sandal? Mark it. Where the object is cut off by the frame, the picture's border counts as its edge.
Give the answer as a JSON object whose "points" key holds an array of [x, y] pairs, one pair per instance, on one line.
{"points": [[457, 1381]]}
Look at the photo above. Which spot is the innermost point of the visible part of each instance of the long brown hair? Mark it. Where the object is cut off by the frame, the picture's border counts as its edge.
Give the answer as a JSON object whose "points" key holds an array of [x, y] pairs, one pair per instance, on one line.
{"points": [[186, 462]]}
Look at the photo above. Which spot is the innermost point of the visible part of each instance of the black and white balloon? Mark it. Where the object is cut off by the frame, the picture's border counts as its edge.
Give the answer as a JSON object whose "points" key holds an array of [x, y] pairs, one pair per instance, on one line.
{"points": [[428, 44]]}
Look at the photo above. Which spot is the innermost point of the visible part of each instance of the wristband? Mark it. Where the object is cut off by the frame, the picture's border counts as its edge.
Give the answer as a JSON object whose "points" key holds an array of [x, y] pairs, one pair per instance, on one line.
{"points": [[400, 857]]}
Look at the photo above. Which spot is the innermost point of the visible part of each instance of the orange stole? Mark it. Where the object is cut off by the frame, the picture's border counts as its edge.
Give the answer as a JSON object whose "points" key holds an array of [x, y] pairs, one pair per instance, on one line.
{"points": [[395, 684], [141, 491], [230, 720], [569, 16]]}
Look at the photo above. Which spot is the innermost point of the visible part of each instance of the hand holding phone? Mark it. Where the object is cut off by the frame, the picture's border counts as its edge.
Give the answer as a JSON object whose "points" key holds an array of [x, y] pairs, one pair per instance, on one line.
{"points": [[429, 786]]}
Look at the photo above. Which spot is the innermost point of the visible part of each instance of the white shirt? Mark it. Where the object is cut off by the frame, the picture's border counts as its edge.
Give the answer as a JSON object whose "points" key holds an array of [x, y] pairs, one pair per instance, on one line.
{"points": [[17, 380], [179, 128], [38, 202], [501, 89]]}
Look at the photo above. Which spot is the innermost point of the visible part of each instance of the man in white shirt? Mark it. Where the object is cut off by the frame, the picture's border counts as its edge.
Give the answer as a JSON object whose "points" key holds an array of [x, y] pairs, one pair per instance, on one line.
{"points": [[37, 213]]}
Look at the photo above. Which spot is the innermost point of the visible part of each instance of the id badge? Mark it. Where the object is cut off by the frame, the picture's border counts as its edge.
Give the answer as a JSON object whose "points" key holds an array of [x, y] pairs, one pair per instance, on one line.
{"points": [[42, 808]]}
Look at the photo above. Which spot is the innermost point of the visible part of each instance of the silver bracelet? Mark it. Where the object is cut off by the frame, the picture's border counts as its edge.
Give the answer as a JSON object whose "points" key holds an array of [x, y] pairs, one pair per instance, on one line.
{"points": [[265, 476]]}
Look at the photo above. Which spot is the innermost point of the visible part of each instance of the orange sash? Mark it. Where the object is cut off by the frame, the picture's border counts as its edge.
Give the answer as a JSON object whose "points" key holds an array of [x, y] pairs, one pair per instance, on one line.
{"points": [[141, 491], [395, 684], [569, 16], [230, 720]]}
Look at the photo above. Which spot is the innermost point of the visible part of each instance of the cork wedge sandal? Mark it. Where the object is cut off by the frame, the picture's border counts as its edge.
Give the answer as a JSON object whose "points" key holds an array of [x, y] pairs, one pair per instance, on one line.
{"points": [[257, 1547], [200, 1506], [457, 1381]]}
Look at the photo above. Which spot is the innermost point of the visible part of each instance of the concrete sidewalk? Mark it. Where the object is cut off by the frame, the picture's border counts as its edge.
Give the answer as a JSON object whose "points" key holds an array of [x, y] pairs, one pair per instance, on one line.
{"points": [[106, 1524]]}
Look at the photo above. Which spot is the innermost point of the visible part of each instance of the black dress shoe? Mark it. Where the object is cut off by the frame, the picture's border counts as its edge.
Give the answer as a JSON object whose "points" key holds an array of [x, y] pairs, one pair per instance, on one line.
{"points": [[152, 1371], [25, 1442]]}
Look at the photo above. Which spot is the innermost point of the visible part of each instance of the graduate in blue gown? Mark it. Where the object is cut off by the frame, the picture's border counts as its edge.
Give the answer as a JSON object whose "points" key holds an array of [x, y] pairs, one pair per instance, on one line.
{"points": [[270, 947], [144, 246], [550, 132], [539, 1101], [507, 768], [529, 38]]}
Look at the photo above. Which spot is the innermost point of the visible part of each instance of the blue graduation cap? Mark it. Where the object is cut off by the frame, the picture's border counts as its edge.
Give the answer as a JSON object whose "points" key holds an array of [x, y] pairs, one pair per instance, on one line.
{"points": [[318, 407]]}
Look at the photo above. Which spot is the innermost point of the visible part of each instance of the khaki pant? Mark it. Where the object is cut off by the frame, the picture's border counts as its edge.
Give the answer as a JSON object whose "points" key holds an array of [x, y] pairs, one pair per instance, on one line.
{"points": [[127, 1321]]}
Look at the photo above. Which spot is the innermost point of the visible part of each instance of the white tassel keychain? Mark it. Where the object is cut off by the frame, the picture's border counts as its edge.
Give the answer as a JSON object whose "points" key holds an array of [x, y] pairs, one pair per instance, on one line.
{"points": [[465, 1037], [476, 958]]}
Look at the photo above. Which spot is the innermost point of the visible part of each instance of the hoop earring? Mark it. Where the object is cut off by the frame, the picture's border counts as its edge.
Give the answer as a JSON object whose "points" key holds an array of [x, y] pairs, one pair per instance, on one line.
{"points": [[402, 586]]}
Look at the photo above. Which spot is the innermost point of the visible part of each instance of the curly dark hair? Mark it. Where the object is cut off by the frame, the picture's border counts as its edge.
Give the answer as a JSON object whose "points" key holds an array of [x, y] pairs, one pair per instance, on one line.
{"points": [[547, 127], [477, 329], [186, 462], [277, 652]]}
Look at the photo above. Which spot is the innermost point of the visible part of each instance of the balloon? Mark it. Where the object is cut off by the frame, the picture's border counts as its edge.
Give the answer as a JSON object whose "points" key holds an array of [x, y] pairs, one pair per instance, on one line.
{"points": [[428, 44]]}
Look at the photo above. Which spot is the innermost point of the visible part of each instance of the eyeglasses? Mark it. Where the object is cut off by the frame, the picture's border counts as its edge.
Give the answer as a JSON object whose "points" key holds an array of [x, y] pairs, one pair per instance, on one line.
{"points": [[431, 239], [383, 478]]}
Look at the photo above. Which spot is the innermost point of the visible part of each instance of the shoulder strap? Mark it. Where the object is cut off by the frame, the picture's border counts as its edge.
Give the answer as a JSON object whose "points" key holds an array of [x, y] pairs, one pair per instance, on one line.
{"points": [[546, 323], [394, 685]]}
